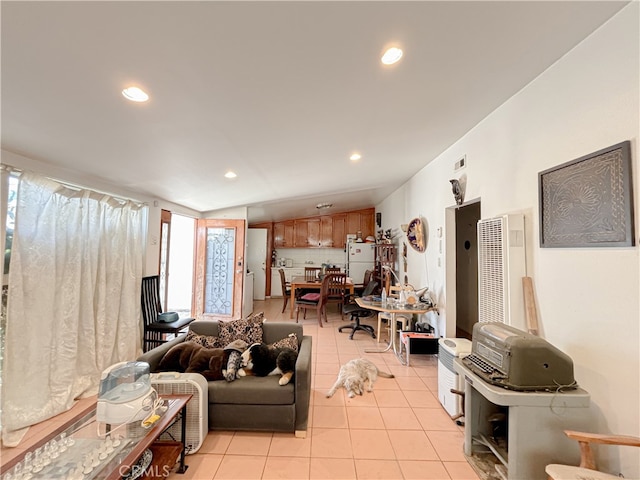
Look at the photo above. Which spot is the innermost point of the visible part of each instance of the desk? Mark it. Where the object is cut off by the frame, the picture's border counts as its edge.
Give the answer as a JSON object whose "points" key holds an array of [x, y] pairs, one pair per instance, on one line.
{"points": [[300, 282], [392, 309]]}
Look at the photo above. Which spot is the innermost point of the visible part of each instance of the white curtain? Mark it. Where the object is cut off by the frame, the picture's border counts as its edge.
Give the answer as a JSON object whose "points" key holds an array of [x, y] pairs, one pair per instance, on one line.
{"points": [[74, 298]]}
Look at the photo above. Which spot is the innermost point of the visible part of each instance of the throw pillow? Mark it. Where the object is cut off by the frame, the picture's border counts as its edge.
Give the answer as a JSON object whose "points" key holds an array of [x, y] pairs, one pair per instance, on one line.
{"points": [[290, 342], [207, 341], [248, 329]]}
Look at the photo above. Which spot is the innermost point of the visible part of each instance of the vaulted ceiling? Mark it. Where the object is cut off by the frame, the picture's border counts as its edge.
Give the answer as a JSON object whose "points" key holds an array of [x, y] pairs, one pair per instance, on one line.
{"points": [[282, 93]]}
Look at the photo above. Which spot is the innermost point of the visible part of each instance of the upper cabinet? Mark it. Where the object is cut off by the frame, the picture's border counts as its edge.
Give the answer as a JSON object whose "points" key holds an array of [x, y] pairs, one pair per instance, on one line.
{"points": [[361, 221], [284, 234], [327, 231], [338, 237], [307, 232]]}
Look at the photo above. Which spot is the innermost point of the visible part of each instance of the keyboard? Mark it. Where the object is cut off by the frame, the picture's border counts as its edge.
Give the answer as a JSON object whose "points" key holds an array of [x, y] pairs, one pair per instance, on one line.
{"points": [[475, 361]]}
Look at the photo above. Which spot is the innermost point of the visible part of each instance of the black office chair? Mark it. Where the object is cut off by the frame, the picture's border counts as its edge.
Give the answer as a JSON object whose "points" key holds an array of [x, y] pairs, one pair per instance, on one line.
{"points": [[357, 312], [155, 331]]}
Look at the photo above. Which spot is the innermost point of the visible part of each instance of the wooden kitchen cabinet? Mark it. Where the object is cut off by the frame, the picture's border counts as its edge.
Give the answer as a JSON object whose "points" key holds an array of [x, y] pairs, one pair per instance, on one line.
{"points": [[333, 230], [284, 234], [307, 232], [326, 231], [361, 221], [338, 230]]}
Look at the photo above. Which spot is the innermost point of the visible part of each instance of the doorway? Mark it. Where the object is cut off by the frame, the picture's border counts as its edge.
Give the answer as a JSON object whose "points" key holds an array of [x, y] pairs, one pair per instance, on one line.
{"points": [[220, 269], [256, 260], [176, 262], [466, 218]]}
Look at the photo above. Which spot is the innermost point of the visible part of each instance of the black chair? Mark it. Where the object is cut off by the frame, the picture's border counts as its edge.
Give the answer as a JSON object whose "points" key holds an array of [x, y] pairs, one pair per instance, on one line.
{"points": [[357, 312], [155, 331]]}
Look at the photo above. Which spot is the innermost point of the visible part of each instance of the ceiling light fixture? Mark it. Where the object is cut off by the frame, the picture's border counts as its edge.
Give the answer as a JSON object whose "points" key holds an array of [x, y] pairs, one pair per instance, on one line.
{"points": [[322, 206], [391, 56], [135, 94], [230, 174], [355, 157]]}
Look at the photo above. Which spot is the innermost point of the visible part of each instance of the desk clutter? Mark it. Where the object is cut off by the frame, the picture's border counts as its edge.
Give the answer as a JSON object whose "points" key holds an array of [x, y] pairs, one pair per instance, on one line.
{"points": [[394, 302]]}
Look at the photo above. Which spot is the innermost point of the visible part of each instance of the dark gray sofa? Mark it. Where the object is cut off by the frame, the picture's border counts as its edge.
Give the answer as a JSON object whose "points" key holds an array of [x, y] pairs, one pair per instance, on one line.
{"points": [[255, 403]]}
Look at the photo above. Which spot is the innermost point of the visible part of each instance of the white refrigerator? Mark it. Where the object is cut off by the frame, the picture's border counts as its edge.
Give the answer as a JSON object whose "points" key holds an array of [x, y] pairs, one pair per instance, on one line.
{"points": [[360, 258]]}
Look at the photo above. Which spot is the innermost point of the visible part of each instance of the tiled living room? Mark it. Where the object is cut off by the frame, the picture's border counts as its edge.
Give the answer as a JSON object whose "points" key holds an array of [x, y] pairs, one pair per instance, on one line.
{"points": [[398, 431]]}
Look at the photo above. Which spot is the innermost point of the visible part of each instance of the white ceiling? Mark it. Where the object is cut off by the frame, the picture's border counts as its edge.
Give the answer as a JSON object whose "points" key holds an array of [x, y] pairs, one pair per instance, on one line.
{"points": [[280, 92]]}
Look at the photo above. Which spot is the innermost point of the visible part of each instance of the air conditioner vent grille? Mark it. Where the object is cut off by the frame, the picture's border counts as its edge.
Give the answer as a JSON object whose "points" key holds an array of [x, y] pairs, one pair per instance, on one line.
{"points": [[501, 266], [491, 271]]}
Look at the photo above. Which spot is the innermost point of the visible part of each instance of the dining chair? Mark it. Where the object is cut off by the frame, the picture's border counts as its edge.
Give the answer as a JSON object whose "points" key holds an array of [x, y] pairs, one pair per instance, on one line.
{"points": [[329, 270], [286, 289], [358, 288], [314, 301], [155, 330], [393, 292], [335, 289], [588, 468], [311, 273]]}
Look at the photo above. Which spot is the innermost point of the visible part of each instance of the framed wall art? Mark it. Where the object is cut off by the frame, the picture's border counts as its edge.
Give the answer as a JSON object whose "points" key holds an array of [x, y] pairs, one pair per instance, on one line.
{"points": [[588, 202]]}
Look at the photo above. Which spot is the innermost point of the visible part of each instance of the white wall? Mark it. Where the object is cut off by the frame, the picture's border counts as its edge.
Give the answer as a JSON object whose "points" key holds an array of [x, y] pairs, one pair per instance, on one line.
{"points": [[588, 298], [318, 256]]}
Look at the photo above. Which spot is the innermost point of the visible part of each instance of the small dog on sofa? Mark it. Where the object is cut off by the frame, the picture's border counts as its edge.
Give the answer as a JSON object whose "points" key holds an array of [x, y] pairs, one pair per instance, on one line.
{"points": [[261, 360]]}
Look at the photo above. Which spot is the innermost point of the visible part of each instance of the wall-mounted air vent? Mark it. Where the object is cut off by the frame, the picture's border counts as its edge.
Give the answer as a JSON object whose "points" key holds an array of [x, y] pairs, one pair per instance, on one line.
{"points": [[501, 266]]}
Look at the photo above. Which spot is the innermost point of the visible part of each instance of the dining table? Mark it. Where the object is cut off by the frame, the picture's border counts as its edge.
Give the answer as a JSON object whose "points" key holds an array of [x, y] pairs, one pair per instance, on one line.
{"points": [[393, 308], [302, 283]]}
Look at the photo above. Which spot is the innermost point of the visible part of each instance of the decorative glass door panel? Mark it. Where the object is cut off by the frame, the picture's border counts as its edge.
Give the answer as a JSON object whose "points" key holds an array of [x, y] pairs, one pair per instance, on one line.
{"points": [[218, 288], [219, 269]]}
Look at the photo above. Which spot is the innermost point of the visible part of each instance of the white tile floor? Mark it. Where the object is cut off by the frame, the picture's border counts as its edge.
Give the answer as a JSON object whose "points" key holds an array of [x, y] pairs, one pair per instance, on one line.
{"points": [[399, 431]]}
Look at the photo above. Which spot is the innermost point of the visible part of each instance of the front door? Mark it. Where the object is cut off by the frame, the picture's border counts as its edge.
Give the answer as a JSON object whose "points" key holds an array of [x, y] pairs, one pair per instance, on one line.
{"points": [[220, 269]]}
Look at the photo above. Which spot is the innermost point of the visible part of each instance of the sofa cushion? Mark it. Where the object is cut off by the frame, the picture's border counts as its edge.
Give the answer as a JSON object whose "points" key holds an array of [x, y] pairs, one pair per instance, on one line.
{"points": [[248, 329], [290, 341], [252, 391], [207, 341]]}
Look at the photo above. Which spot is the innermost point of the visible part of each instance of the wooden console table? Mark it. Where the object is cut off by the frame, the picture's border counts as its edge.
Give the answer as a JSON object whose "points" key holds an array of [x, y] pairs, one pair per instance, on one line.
{"points": [[133, 440]]}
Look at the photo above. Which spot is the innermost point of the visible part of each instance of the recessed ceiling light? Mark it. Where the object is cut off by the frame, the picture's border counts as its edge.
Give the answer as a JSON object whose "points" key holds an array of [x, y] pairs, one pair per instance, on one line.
{"points": [[135, 94], [230, 174], [355, 157], [391, 56]]}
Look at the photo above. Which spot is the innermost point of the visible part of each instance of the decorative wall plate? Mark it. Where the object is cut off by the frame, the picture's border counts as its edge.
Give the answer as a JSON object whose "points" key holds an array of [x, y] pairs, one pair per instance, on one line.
{"points": [[415, 235]]}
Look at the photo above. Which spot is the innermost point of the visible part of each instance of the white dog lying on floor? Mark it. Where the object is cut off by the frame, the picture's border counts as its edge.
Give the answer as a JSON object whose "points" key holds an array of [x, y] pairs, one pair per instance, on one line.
{"points": [[354, 374]]}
